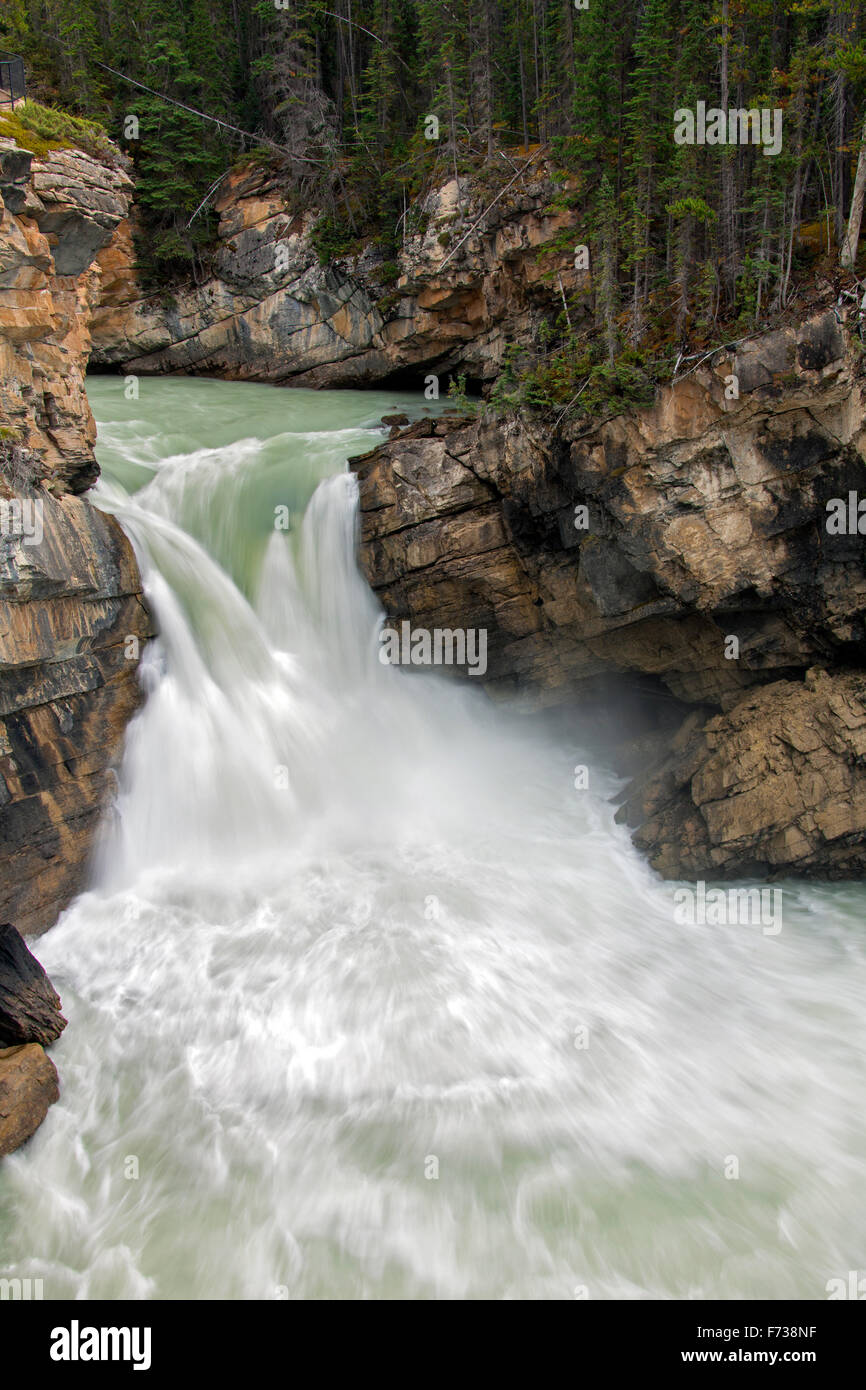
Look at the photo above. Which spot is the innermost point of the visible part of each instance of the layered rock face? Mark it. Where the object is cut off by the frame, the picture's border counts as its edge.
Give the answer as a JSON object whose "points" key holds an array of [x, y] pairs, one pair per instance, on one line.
{"points": [[271, 312], [779, 781], [29, 1003], [688, 542], [56, 213], [72, 621], [71, 614]]}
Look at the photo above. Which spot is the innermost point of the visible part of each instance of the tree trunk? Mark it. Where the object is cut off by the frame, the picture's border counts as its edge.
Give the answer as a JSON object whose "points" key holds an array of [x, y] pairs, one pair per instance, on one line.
{"points": [[728, 233], [855, 217]]}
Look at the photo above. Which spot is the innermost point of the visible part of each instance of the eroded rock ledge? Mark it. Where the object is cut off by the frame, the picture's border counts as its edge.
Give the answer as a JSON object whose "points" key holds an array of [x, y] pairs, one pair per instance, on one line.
{"points": [[55, 214], [70, 592], [706, 523]]}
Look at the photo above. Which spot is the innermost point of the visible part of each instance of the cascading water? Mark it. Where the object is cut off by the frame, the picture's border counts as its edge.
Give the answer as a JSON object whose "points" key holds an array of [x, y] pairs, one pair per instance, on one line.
{"points": [[366, 1000]]}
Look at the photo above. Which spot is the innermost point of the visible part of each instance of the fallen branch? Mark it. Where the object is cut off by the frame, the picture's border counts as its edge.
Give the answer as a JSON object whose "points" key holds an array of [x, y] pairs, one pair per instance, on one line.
{"points": [[213, 188], [702, 356], [499, 195], [571, 403]]}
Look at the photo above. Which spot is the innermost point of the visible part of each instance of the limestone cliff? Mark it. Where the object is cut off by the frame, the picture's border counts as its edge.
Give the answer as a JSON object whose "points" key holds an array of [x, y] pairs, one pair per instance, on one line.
{"points": [[70, 593], [687, 542], [270, 311]]}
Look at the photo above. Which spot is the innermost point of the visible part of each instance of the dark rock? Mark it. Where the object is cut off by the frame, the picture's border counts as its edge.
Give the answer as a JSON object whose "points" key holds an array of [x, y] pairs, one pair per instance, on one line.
{"points": [[28, 1086], [14, 196], [14, 173], [15, 163], [29, 1004], [820, 342], [75, 240], [616, 585]]}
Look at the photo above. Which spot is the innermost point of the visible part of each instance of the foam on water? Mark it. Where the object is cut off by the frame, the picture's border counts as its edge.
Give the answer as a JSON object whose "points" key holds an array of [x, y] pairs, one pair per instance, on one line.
{"points": [[350, 927]]}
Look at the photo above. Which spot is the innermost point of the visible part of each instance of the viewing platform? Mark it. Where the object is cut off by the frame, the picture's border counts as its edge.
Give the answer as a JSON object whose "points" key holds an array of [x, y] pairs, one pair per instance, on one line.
{"points": [[13, 86]]}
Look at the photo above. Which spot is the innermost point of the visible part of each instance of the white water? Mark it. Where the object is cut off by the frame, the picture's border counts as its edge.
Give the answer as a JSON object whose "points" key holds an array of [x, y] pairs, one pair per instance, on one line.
{"points": [[290, 991]]}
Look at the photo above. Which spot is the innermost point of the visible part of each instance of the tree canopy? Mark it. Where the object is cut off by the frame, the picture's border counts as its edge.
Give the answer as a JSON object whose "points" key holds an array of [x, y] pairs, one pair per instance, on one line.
{"points": [[701, 231]]}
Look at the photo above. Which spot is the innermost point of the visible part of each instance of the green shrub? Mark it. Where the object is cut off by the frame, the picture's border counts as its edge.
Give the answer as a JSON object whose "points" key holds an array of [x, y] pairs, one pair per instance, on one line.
{"points": [[332, 238], [40, 129], [576, 377]]}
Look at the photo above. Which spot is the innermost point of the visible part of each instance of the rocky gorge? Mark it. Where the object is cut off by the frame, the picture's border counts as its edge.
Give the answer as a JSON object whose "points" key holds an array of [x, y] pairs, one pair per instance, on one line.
{"points": [[685, 544], [468, 283], [432, 662]]}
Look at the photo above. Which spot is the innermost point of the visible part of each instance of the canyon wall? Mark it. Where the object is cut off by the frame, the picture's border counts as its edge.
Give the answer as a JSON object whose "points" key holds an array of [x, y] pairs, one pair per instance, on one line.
{"points": [[455, 297], [71, 612]]}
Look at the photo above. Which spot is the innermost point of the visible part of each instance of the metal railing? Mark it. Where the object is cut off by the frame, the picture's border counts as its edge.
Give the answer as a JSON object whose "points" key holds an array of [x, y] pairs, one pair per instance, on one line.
{"points": [[12, 83]]}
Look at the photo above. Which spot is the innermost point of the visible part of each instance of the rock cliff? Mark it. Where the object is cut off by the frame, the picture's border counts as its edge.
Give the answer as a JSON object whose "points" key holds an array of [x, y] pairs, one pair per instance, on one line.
{"points": [[71, 612], [688, 542], [777, 782], [56, 213]]}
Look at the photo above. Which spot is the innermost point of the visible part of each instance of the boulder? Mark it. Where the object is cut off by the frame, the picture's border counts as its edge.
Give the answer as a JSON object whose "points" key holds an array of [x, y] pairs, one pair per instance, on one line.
{"points": [[29, 1004], [776, 785], [28, 1086]]}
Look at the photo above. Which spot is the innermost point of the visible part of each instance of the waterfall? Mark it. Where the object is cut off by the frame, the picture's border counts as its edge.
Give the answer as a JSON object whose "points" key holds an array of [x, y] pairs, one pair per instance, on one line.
{"points": [[365, 998]]}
